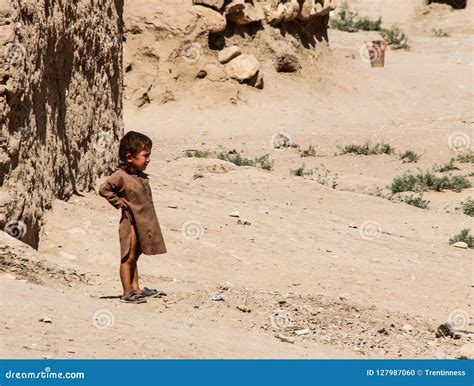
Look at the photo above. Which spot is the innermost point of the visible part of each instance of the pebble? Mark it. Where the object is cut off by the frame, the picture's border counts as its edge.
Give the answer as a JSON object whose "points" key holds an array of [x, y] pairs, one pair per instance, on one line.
{"points": [[45, 319], [173, 206], [460, 244], [235, 214], [407, 328], [304, 331], [284, 338]]}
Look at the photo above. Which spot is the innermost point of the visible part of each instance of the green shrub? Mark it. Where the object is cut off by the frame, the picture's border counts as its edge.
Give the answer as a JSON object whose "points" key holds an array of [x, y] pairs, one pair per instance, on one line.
{"points": [[301, 172], [428, 181], [465, 236], [349, 21], [409, 156], [416, 201], [395, 38], [309, 152], [467, 157], [233, 156], [446, 167], [368, 149], [468, 207]]}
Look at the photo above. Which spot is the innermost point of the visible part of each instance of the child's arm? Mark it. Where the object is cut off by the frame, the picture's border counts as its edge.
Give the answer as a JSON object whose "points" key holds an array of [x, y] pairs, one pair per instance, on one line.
{"points": [[110, 189]]}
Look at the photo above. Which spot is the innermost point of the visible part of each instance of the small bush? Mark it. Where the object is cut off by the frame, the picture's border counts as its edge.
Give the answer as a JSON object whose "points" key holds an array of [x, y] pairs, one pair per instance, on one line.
{"points": [[349, 21], [409, 156], [301, 171], [395, 38], [324, 178], [446, 167], [233, 156], [468, 207], [428, 181], [309, 152], [368, 149], [439, 33], [416, 201], [199, 153], [467, 157], [465, 236]]}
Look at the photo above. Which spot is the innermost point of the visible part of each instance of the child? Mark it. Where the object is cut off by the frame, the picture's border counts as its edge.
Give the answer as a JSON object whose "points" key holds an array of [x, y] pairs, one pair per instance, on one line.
{"points": [[139, 230]]}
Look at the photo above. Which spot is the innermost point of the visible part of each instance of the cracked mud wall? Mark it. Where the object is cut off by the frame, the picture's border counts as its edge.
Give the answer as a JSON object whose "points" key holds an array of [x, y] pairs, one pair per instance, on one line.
{"points": [[60, 104]]}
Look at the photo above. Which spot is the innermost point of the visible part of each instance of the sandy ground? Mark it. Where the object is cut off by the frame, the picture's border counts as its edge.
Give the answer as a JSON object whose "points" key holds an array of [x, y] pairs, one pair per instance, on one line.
{"points": [[308, 261]]}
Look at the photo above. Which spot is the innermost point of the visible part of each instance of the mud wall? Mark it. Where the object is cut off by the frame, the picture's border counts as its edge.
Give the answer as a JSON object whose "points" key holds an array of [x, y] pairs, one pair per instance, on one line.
{"points": [[60, 104]]}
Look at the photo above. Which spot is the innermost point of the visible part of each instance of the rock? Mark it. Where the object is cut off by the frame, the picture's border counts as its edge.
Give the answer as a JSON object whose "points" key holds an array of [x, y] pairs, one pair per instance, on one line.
{"points": [[308, 10], [284, 338], [235, 214], [256, 81], [235, 6], [67, 255], [212, 72], [45, 319], [243, 222], [244, 309], [304, 331], [345, 297], [216, 4], [227, 54], [274, 16], [460, 244], [292, 9], [407, 328], [383, 331], [173, 206], [286, 62], [218, 298], [250, 13], [213, 21]]}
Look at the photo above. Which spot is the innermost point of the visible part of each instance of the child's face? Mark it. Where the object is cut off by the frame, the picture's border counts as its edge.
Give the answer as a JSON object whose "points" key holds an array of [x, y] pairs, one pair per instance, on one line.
{"points": [[141, 160]]}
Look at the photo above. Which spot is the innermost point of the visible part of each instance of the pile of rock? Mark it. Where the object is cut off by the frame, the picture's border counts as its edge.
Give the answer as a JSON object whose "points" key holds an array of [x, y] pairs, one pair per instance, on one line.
{"points": [[273, 12], [242, 67]]}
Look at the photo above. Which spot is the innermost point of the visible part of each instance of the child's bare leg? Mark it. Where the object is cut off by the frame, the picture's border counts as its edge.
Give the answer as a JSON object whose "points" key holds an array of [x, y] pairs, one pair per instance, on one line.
{"points": [[135, 285], [128, 267]]}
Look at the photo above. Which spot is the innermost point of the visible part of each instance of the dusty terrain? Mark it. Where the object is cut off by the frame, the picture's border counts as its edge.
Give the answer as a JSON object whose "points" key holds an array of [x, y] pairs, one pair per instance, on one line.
{"points": [[354, 273]]}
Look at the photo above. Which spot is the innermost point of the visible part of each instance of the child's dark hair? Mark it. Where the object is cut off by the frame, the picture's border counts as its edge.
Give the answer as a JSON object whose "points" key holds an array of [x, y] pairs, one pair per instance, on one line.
{"points": [[133, 143]]}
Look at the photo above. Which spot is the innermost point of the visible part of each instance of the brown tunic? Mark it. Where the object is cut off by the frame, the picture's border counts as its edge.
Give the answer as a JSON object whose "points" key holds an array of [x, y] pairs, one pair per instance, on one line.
{"points": [[123, 189]]}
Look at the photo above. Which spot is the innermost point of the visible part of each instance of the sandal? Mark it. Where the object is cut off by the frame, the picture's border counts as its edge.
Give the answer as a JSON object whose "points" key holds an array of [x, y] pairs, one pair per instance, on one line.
{"points": [[133, 298], [145, 292]]}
